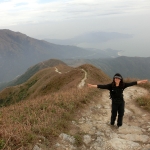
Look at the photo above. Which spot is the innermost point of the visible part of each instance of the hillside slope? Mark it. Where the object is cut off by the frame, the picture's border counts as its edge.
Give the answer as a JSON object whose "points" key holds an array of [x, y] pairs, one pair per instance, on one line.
{"points": [[40, 108], [134, 67], [19, 51], [51, 79], [32, 70]]}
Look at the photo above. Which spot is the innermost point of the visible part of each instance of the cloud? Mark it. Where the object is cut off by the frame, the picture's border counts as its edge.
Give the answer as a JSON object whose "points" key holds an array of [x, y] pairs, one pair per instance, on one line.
{"points": [[36, 11]]}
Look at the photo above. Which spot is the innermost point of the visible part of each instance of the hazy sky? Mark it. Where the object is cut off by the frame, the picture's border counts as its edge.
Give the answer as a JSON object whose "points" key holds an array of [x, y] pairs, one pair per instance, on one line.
{"points": [[63, 19]]}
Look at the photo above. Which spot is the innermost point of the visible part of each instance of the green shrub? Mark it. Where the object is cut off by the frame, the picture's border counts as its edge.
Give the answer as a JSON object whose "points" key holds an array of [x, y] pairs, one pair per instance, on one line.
{"points": [[144, 102], [2, 143]]}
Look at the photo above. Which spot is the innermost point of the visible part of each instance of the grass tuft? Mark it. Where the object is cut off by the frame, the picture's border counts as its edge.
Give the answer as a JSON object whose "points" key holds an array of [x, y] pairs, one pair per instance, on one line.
{"points": [[78, 139], [144, 101]]}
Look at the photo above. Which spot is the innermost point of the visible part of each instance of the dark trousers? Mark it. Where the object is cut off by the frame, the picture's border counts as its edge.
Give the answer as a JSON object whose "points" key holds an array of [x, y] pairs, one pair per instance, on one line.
{"points": [[117, 108]]}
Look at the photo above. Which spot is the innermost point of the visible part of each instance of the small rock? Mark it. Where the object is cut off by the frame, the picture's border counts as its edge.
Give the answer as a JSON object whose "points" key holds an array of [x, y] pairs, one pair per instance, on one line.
{"points": [[41, 138], [36, 148], [74, 123], [123, 144], [68, 138], [135, 137], [87, 139], [57, 145], [143, 130]]}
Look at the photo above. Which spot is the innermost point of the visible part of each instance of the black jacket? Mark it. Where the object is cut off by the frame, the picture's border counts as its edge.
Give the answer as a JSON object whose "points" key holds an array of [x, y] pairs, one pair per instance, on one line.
{"points": [[116, 92]]}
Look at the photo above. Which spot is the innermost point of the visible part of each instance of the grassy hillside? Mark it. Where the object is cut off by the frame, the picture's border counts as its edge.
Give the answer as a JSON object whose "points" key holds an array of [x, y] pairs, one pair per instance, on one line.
{"points": [[43, 106], [46, 80], [34, 69], [23, 124]]}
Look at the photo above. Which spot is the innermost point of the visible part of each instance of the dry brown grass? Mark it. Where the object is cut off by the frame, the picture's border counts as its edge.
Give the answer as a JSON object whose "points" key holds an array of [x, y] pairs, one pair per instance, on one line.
{"points": [[47, 80], [43, 106], [95, 75], [42, 83], [48, 116], [143, 101]]}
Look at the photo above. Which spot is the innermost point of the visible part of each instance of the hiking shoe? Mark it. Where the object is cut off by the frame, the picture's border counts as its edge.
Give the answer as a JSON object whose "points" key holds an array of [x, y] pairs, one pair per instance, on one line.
{"points": [[118, 126]]}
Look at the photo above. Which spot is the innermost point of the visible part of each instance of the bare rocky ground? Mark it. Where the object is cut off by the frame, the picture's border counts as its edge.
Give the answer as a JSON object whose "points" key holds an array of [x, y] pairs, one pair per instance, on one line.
{"points": [[91, 129]]}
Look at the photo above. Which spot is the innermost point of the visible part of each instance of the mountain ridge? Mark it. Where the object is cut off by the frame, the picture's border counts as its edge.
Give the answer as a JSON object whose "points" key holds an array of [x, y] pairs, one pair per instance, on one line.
{"points": [[90, 37], [19, 51], [134, 67], [48, 80]]}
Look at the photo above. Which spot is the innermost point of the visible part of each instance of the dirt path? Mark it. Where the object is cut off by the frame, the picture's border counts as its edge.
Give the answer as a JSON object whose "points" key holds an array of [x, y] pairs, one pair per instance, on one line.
{"points": [[82, 83], [97, 134], [56, 70]]}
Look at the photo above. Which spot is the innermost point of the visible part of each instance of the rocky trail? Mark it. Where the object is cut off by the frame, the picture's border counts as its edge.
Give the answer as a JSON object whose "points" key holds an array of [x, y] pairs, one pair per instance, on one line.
{"points": [[97, 134]]}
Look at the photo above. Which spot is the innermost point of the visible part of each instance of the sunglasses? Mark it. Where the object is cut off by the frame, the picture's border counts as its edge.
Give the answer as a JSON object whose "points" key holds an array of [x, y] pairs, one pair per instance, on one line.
{"points": [[118, 77]]}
